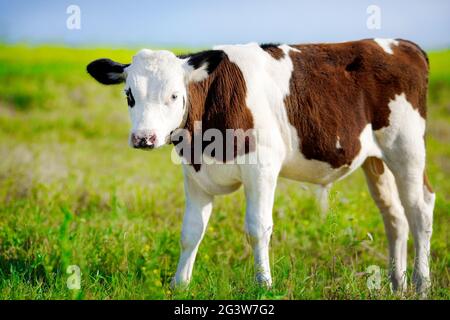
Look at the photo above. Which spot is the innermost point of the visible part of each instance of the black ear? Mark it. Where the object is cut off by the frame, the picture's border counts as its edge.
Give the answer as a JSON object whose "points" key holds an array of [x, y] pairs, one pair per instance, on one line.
{"points": [[201, 64], [107, 71]]}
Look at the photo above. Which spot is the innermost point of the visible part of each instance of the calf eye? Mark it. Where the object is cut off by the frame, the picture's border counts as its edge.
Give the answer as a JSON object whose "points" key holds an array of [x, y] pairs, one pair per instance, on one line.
{"points": [[130, 98], [174, 97]]}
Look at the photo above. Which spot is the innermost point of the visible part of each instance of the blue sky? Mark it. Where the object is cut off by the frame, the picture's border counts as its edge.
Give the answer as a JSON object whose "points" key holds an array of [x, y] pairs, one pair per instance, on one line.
{"points": [[205, 23]]}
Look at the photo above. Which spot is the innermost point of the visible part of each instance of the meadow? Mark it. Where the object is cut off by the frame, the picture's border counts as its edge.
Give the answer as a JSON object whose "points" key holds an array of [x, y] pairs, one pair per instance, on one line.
{"points": [[73, 193]]}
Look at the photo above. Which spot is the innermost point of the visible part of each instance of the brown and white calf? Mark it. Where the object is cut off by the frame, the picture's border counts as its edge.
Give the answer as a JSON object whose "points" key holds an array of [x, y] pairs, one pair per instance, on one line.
{"points": [[326, 109]]}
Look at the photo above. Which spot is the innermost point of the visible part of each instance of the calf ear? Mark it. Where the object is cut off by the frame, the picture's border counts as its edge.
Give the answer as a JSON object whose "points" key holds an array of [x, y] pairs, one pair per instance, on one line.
{"points": [[199, 65], [107, 71]]}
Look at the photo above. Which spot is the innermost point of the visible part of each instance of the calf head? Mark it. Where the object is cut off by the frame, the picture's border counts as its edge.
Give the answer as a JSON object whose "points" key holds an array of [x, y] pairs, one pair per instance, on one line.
{"points": [[156, 89]]}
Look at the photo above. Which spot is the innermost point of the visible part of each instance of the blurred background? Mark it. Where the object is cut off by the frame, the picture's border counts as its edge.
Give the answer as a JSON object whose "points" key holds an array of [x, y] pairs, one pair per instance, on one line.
{"points": [[73, 193], [200, 23]]}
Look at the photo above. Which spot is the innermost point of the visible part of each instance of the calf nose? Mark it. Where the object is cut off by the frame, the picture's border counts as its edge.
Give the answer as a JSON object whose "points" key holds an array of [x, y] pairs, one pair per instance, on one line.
{"points": [[143, 140]]}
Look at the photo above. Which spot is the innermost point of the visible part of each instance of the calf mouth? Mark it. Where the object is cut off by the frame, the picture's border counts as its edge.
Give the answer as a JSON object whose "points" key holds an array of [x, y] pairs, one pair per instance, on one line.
{"points": [[145, 148]]}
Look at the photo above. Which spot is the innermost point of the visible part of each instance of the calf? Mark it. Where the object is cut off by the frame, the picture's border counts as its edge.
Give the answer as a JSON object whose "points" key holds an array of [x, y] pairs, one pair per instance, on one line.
{"points": [[324, 109]]}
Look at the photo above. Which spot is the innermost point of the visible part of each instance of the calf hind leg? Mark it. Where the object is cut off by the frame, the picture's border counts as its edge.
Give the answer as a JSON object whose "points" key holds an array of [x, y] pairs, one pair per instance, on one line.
{"points": [[403, 147], [418, 202], [383, 189], [406, 159]]}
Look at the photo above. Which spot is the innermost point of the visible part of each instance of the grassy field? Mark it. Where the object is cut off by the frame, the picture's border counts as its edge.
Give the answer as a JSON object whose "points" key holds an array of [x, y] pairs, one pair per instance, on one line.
{"points": [[73, 193]]}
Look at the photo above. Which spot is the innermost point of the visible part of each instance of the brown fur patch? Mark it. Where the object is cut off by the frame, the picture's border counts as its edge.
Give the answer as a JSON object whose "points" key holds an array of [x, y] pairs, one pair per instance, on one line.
{"points": [[426, 183], [373, 166], [337, 89], [219, 102], [273, 50]]}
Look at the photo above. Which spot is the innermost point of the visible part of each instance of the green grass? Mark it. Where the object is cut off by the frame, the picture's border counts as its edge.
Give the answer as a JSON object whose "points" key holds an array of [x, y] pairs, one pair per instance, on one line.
{"points": [[73, 193]]}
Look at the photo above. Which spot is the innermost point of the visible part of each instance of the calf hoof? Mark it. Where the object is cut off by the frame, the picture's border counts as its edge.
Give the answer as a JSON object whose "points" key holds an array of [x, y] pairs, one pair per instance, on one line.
{"points": [[178, 284], [264, 281], [399, 284], [422, 285]]}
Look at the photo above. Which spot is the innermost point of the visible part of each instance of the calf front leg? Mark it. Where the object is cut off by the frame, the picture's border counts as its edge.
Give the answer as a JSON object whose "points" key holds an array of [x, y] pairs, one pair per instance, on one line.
{"points": [[259, 191], [195, 221]]}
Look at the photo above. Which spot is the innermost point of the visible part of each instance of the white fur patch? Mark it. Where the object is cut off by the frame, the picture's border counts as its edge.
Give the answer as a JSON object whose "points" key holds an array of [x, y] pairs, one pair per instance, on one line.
{"points": [[338, 143], [386, 44], [196, 75], [402, 119]]}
